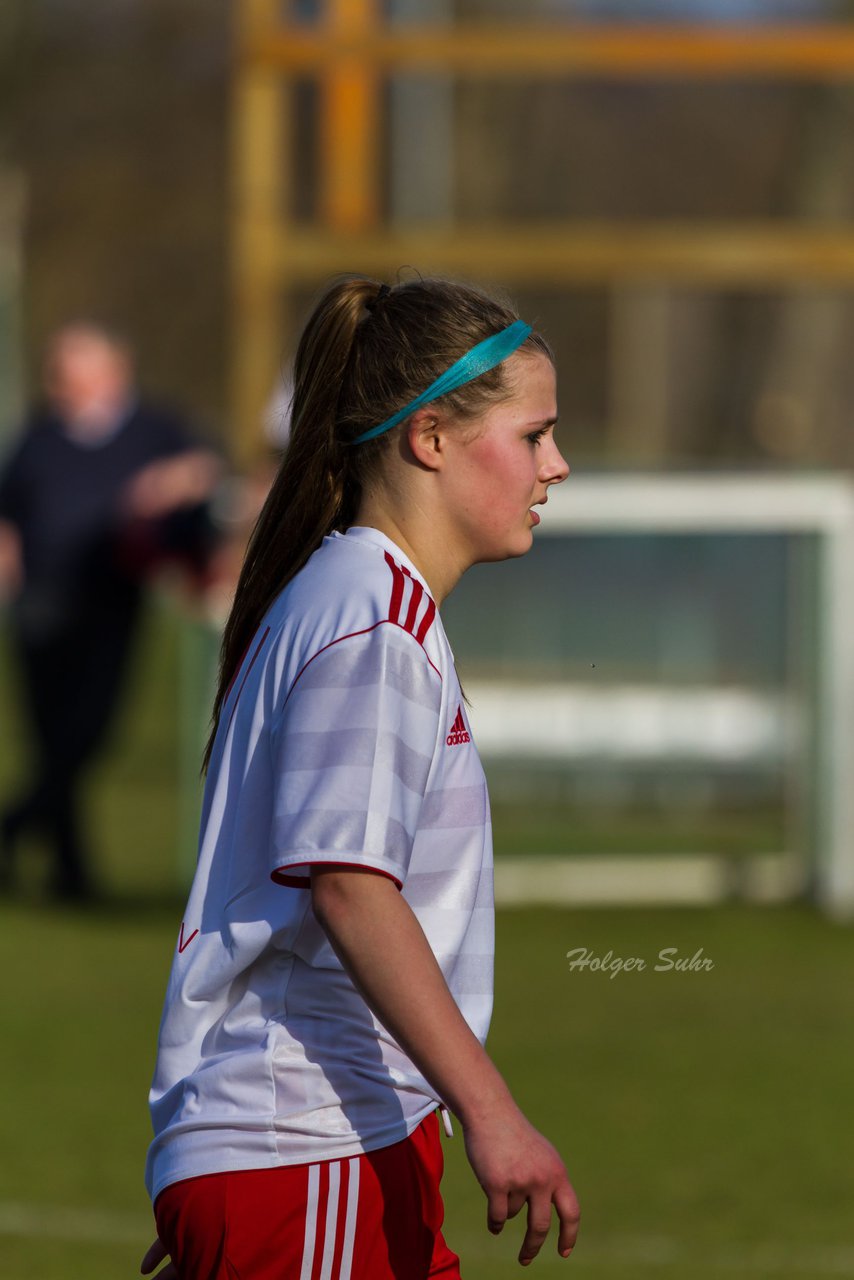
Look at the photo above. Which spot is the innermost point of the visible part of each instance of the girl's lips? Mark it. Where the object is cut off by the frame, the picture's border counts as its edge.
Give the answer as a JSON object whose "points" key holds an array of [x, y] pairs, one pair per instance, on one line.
{"points": [[534, 515]]}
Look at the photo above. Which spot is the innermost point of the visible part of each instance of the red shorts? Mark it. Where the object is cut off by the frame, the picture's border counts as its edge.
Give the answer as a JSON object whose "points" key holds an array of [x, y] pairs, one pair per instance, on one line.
{"points": [[373, 1217]]}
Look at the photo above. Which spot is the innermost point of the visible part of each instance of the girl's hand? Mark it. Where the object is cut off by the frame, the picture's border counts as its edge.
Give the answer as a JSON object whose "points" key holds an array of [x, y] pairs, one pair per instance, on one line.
{"points": [[516, 1165], [153, 1258], [11, 561]]}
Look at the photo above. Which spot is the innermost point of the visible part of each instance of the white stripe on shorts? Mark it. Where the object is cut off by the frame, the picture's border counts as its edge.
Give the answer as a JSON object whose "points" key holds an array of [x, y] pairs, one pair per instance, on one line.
{"points": [[331, 1220], [310, 1222], [350, 1220], [330, 1226]]}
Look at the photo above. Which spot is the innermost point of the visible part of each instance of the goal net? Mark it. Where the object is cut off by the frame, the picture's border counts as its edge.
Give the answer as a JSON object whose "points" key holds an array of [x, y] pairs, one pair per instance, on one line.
{"points": [[663, 691]]}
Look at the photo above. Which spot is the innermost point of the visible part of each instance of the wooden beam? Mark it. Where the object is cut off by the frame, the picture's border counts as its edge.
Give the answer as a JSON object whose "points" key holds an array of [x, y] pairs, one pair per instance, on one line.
{"points": [[753, 255], [649, 51], [259, 197], [254, 18], [349, 120]]}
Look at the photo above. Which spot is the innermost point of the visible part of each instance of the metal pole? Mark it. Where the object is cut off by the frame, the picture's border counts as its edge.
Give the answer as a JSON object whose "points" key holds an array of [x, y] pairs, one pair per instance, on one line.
{"points": [[835, 880]]}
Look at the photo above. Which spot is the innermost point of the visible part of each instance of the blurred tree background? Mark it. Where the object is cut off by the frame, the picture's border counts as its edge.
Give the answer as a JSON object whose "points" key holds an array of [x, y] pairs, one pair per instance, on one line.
{"points": [[116, 115], [115, 128]]}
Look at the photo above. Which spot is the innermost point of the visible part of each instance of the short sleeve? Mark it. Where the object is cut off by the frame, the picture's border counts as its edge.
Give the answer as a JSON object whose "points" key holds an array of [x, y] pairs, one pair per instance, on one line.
{"points": [[353, 749]]}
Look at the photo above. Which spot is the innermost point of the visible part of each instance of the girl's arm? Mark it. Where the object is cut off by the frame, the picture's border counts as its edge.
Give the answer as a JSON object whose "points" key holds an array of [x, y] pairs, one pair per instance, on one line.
{"points": [[11, 560], [380, 943]]}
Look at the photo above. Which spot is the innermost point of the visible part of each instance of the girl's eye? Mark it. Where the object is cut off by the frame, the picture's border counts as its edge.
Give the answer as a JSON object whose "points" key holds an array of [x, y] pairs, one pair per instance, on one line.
{"points": [[536, 436]]}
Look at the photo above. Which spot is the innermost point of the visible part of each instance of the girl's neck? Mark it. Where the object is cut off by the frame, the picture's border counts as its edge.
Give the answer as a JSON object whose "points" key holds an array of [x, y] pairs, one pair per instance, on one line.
{"points": [[421, 540]]}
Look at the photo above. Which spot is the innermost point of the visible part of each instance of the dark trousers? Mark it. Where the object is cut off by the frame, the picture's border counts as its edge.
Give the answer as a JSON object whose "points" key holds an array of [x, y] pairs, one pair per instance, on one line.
{"points": [[71, 684]]}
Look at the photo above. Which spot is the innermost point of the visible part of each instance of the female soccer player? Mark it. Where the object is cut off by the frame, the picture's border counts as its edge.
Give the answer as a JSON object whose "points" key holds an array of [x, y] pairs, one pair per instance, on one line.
{"points": [[332, 983]]}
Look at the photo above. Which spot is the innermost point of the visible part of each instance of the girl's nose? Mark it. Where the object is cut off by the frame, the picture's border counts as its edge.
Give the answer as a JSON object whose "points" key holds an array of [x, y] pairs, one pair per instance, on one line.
{"points": [[555, 467]]}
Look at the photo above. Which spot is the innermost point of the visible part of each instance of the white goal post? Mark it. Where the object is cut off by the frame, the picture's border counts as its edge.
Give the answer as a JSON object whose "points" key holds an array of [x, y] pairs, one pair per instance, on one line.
{"points": [[821, 505]]}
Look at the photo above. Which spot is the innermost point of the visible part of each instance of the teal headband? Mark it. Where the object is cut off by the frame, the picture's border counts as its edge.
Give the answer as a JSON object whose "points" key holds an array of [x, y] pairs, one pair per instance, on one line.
{"points": [[486, 355]]}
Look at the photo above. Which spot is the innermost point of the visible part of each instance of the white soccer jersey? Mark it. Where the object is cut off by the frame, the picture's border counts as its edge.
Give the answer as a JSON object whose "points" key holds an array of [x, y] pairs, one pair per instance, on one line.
{"points": [[343, 739]]}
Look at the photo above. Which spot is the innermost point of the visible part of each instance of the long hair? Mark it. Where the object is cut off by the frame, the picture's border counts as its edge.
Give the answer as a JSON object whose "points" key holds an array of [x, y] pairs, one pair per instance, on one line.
{"points": [[366, 351]]}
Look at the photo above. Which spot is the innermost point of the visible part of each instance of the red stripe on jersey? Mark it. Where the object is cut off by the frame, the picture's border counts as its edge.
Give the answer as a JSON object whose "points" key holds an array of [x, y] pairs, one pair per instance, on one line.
{"points": [[426, 621], [415, 600], [236, 673], [418, 593], [246, 674], [365, 630], [396, 589], [237, 668]]}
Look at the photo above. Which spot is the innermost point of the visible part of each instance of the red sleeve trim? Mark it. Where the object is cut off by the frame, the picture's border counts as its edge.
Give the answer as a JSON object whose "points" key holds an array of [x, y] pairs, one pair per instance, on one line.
{"points": [[286, 877]]}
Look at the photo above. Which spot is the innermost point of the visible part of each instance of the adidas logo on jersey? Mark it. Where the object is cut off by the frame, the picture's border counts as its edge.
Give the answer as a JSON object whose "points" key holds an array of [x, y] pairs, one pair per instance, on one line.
{"points": [[459, 733]]}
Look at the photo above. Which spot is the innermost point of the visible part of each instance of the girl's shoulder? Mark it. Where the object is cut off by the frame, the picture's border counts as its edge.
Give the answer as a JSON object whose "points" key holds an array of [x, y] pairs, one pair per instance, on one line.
{"points": [[361, 576], [358, 587]]}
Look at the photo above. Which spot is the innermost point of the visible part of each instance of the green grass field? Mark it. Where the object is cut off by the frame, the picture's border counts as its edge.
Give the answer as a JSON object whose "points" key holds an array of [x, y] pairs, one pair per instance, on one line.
{"points": [[551, 829], [705, 1117]]}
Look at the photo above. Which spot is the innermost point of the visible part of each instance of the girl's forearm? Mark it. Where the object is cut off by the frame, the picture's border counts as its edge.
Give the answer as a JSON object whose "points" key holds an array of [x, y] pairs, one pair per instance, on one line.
{"points": [[381, 944]]}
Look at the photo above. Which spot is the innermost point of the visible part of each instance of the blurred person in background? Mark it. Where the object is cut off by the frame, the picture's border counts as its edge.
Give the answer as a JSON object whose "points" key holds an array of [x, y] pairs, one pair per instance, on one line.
{"points": [[100, 490]]}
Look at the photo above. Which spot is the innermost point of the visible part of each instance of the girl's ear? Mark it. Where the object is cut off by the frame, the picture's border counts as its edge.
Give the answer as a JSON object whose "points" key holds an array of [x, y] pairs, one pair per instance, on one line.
{"points": [[426, 436]]}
